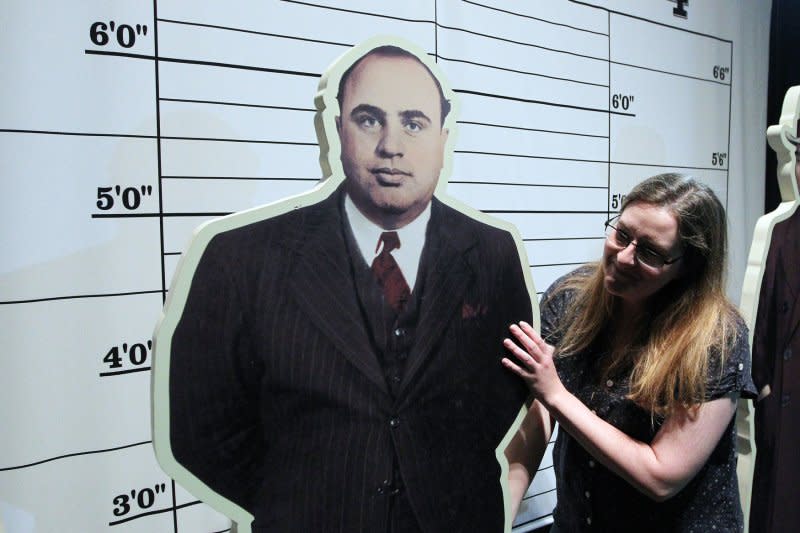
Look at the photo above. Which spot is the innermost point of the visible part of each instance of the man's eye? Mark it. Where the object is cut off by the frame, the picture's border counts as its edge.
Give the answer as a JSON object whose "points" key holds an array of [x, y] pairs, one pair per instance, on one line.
{"points": [[413, 127], [367, 121]]}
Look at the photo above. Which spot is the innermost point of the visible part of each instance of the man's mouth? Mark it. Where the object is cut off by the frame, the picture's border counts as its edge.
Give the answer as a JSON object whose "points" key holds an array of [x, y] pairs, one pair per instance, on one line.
{"points": [[389, 176]]}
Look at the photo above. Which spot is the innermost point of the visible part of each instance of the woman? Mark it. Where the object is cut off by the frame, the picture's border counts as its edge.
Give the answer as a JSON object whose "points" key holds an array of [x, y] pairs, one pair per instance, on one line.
{"points": [[641, 359]]}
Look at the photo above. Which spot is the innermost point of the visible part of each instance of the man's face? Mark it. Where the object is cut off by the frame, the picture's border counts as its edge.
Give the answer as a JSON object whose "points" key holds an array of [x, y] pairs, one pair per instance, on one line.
{"points": [[392, 138]]}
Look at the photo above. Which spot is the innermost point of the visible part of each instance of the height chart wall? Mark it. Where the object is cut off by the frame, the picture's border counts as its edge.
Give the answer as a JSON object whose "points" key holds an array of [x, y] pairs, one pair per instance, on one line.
{"points": [[124, 125]]}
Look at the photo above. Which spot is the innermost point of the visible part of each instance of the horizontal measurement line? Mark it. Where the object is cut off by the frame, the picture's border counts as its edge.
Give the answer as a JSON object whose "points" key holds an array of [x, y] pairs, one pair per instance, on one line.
{"points": [[671, 73], [535, 18], [76, 454], [204, 63], [558, 264], [173, 253], [78, 133], [511, 183], [237, 104], [149, 513], [253, 32], [237, 66], [522, 43], [240, 67], [537, 74], [667, 166], [91, 52], [536, 212], [543, 102], [501, 154], [157, 215], [494, 37], [653, 22], [255, 178], [506, 126], [76, 296], [222, 139], [543, 492], [309, 74], [564, 239], [392, 17], [475, 152], [534, 519], [129, 371]]}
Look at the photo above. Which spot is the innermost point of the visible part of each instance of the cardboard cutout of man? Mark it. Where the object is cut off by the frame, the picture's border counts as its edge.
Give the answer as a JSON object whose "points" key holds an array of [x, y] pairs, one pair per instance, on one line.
{"points": [[776, 344], [335, 367]]}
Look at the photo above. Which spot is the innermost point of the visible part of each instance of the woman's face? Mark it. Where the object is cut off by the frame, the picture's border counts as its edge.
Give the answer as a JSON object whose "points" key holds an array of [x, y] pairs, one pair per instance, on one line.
{"points": [[648, 226]]}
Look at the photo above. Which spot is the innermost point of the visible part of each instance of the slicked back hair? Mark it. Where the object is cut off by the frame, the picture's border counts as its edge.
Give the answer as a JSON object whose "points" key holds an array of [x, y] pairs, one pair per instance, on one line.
{"points": [[394, 51]]}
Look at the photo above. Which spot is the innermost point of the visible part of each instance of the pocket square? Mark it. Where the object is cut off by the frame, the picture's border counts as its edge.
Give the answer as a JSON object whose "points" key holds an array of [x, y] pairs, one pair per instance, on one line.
{"points": [[473, 311]]}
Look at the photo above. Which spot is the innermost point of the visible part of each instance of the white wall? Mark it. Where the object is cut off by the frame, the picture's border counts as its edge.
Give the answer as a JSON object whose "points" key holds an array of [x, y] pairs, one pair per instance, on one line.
{"points": [[211, 111]]}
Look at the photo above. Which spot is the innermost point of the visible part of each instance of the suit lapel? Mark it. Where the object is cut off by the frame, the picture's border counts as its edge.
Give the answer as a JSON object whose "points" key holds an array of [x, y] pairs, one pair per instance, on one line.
{"points": [[322, 283], [449, 274]]}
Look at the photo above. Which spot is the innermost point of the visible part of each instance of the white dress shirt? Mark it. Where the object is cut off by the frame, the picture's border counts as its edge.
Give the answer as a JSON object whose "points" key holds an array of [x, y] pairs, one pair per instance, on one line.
{"points": [[412, 239]]}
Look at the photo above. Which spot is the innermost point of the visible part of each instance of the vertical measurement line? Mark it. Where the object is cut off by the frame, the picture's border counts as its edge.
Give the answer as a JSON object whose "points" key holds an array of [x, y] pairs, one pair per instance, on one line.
{"points": [[161, 206], [730, 103], [158, 151], [608, 103], [436, 30]]}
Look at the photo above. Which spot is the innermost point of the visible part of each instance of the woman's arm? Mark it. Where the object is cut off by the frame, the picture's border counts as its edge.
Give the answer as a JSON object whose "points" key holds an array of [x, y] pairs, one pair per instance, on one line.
{"points": [[659, 469], [525, 451]]}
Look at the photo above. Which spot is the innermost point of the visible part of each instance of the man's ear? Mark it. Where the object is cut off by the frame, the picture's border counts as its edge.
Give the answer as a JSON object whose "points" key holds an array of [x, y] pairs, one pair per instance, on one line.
{"points": [[445, 133]]}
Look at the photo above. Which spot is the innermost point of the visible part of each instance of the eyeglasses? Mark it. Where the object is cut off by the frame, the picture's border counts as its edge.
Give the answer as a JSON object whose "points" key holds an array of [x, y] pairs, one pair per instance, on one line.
{"points": [[644, 255]]}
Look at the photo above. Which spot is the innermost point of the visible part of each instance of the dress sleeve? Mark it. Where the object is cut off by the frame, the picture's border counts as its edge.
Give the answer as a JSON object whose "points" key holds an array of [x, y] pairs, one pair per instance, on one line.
{"points": [[734, 375], [554, 304], [213, 384], [550, 314]]}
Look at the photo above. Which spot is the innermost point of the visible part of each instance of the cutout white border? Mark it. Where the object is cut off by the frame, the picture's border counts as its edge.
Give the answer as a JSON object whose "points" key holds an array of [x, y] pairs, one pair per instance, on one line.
{"points": [[778, 138], [330, 151]]}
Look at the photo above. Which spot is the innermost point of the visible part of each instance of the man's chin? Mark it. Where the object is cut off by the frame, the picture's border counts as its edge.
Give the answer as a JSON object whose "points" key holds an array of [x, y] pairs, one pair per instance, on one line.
{"points": [[393, 209], [392, 200]]}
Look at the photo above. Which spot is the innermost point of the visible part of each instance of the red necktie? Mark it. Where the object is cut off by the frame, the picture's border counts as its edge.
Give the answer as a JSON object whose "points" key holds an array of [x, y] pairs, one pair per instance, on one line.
{"points": [[388, 274]]}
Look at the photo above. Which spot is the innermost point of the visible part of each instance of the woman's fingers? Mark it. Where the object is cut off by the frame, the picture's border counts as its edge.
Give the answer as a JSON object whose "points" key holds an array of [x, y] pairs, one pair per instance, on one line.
{"points": [[524, 357], [537, 339], [511, 365], [525, 340], [534, 335], [534, 363]]}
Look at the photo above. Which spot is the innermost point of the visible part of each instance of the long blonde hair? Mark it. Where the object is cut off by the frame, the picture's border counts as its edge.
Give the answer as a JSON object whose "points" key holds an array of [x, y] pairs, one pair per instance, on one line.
{"points": [[688, 319]]}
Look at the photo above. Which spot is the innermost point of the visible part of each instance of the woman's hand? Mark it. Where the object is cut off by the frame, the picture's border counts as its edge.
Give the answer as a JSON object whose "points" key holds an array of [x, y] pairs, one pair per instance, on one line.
{"points": [[536, 367], [659, 469]]}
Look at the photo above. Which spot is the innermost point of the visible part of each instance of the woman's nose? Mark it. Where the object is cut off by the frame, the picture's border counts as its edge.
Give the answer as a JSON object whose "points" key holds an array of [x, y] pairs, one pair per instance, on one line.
{"points": [[628, 254]]}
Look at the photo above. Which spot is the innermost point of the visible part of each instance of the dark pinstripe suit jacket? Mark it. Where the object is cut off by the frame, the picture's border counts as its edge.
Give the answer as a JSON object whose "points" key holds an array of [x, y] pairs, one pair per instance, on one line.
{"points": [[278, 400]]}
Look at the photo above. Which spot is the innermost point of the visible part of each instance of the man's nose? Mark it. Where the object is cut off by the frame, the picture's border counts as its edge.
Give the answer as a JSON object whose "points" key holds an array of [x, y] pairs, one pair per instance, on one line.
{"points": [[391, 141], [627, 255]]}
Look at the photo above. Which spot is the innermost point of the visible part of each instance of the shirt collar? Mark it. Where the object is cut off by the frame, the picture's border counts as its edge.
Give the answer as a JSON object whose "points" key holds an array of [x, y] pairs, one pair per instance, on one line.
{"points": [[412, 239]]}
